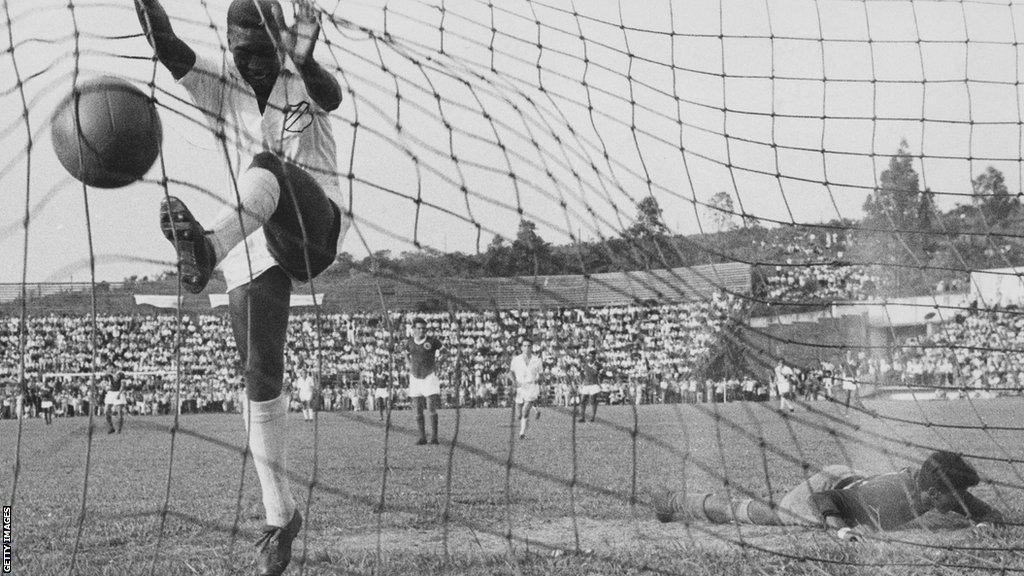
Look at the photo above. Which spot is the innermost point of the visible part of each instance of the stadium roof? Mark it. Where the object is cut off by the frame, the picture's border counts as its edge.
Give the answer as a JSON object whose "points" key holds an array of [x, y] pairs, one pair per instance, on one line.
{"points": [[367, 293]]}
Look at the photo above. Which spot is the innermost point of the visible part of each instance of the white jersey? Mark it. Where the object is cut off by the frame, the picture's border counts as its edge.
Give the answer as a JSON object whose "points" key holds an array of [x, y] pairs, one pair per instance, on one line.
{"points": [[782, 375], [305, 387], [527, 373], [114, 398], [292, 126]]}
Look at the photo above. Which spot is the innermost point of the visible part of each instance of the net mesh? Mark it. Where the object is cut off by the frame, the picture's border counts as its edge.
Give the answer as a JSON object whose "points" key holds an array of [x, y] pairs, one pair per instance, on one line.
{"points": [[701, 192]]}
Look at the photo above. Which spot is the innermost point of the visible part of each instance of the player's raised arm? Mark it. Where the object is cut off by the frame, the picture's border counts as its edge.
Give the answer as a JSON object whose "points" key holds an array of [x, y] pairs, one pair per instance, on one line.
{"points": [[172, 52], [300, 41]]}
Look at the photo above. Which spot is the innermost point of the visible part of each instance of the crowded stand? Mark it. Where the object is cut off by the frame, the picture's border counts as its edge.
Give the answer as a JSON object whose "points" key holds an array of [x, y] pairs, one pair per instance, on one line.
{"points": [[813, 269], [975, 350], [647, 354], [975, 353]]}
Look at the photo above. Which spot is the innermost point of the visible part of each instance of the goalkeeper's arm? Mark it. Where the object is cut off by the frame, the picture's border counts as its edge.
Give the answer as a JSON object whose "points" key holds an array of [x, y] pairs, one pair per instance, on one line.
{"points": [[832, 517], [977, 510]]}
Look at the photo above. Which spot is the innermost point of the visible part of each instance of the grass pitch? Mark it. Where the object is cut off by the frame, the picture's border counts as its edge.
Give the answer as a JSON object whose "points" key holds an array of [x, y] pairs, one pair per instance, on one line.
{"points": [[570, 500]]}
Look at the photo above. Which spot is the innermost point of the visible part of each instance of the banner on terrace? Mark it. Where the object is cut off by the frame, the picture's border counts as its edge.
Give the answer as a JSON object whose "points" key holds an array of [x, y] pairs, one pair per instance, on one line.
{"points": [[997, 287]]}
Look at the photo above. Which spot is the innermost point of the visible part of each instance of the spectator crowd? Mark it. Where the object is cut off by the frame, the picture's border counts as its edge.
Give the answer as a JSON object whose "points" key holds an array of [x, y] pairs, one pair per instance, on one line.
{"points": [[646, 353], [811, 266], [975, 350], [650, 353]]}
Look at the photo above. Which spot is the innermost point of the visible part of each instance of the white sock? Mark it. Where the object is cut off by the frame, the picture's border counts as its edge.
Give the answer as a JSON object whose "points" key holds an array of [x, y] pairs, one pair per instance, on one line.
{"points": [[258, 192], [269, 446], [522, 426]]}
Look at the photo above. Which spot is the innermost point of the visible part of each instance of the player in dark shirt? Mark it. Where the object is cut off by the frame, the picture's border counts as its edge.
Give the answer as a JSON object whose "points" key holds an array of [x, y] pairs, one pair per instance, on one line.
{"points": [[845, 500], [46, 404], [590, 386], [424, 385], [114, 402]]}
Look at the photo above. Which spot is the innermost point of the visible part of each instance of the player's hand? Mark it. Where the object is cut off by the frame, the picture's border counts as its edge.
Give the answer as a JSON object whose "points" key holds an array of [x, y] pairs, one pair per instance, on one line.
{"points": [[848, 534], [301, 38]]}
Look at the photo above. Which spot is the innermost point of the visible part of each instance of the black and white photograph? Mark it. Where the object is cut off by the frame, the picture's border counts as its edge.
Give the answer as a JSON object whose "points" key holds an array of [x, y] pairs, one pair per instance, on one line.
{"points": [[512, 287]]}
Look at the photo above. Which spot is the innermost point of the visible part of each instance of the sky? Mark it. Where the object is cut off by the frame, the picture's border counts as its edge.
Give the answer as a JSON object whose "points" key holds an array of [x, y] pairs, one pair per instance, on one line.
{"points": [[792, 107]]}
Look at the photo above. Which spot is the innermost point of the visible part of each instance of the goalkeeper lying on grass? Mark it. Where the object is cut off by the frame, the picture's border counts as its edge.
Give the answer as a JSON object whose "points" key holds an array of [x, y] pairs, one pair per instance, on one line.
{"points": [[848, 501]]}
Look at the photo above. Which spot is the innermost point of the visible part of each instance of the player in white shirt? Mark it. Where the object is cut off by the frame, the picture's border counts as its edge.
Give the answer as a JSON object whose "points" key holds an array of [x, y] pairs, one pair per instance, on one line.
{"points": [[851, 386], [114, 401], [306, 386], [282, 218], [526, 368], [784, 385]]}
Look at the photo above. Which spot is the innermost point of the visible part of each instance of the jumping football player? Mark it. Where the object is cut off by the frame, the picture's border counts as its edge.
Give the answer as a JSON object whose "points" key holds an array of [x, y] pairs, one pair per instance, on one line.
{"points": [[280, 222], [847, 501]]}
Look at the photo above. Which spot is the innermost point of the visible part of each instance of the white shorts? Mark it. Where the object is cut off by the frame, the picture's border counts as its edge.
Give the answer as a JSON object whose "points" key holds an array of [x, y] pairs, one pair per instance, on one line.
{"points": [[46, 404], [113, 398], [590, 389], [303, 397], [527, 393], [424, 386], [236, 264]]}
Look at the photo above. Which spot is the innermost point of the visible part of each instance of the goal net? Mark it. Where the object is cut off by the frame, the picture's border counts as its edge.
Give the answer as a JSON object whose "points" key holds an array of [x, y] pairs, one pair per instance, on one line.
{"points": [[786, 234]]}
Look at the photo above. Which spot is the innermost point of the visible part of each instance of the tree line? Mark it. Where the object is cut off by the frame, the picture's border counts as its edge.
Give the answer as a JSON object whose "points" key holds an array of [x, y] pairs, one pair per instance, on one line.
{"points": [[903, 238]]}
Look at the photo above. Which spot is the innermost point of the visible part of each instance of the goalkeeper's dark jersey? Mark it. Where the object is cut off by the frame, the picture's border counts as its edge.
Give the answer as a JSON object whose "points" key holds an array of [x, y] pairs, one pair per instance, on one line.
{"points": [[887, 501]]}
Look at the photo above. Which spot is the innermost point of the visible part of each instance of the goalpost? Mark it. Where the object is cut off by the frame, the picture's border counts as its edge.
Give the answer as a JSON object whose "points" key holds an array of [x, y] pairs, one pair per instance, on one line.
{"points": [[860, 160]]}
